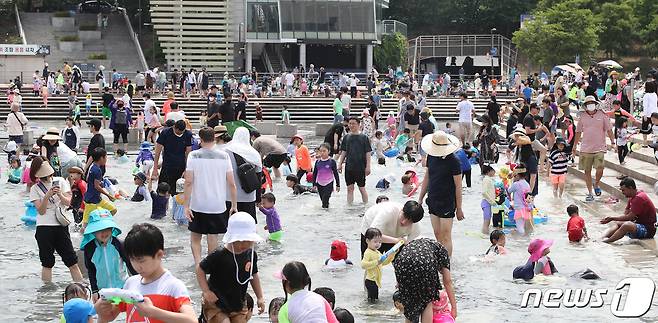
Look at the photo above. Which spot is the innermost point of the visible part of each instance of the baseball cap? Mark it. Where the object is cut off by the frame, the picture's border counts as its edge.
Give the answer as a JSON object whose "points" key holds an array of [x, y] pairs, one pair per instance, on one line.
{"points": [[94, 122]]}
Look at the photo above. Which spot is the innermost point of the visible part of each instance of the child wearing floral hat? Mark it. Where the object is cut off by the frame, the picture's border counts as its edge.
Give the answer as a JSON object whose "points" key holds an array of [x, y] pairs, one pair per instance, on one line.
{"points": [[107, 264]]}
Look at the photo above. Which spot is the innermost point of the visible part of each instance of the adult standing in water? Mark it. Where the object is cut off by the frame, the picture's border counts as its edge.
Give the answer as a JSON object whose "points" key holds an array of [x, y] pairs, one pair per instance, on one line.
{"points": [[239, 148], [52, 195], [272, 152], [174, 144], [355, 153], [443, 185]]}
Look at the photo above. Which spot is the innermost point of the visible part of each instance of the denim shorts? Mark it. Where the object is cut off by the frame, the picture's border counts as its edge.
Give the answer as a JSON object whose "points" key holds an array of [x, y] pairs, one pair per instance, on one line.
{"points": [[640, 232]]}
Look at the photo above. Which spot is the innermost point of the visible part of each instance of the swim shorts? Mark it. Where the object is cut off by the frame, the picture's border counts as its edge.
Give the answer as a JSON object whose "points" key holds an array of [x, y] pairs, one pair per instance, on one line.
{"points": [[640, 232], [558, 179], [205, 223], [106, 112], [358, 177]]}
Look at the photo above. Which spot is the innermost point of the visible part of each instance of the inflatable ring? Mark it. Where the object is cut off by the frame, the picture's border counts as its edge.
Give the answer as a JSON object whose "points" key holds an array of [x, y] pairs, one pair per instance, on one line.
{"points": [[393, 152]]}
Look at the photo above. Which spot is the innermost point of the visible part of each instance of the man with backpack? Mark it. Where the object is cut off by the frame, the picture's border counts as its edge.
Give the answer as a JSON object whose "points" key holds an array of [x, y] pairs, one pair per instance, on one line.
{"points": [[208, 180]]}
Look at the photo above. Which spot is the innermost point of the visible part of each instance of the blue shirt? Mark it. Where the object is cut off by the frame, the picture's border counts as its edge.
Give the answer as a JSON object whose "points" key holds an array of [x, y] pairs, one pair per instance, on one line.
{"points": [[92, 195], [463, 160], [158, 205], [527, 92]]}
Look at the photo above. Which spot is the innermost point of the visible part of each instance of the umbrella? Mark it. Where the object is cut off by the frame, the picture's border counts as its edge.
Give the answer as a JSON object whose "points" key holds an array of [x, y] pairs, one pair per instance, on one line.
{"points": [[610, 63], [565, 68], [232, 125], [576, 66]]}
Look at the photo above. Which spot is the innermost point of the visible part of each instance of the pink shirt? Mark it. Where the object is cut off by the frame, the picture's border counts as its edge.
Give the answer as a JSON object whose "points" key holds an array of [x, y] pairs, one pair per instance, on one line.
{"points": [[594, 130]]}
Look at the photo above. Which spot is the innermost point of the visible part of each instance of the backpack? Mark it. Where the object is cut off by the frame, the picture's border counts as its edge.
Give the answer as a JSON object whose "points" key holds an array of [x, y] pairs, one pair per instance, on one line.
{"points": [[247, 175]]}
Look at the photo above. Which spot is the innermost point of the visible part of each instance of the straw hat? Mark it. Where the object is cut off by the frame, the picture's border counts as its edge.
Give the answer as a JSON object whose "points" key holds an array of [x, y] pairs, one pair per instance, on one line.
{"points": [[241, 227], [44, 171], [440, 144], [52, 134], [76, 170], [519, 170], [591, 98], [219, 130], [614, 73]]}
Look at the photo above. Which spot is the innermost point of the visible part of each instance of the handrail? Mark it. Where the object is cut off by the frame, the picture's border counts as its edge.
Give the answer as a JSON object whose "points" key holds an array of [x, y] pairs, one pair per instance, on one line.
{"points": [[20, 25], [135, 40], [266, 59]]}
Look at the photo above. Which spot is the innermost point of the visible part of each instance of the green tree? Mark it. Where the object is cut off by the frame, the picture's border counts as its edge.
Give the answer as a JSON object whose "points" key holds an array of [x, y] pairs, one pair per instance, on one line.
{"points": [[618, 27], [649, 34], [391, 52], [558, 34]]}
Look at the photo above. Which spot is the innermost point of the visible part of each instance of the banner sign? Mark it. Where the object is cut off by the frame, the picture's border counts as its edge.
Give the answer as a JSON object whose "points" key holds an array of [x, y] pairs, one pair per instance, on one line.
{"points": [[24, 50]]}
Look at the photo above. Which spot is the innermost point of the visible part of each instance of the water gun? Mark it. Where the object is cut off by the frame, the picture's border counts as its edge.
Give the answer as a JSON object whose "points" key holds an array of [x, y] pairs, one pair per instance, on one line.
{"points": [[117, 295], [391, 251]]}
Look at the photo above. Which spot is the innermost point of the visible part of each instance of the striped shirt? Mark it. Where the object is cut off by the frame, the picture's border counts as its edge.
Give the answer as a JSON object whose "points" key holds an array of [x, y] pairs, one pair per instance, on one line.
{"points": [[167, 293], [558, 160]]}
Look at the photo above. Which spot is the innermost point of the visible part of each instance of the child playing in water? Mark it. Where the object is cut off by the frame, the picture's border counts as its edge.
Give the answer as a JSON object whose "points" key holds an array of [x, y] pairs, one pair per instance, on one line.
{"points": [[380, 143], [384, 183], [273, 309], [293, 182], [303, 305], [160, 200], [518, 190], [381, 198], [145, 158], [328, 294], [78, 310], [623, 136], [338, 255], [139, 125], [557, 160], [302, 156], [141, 193], [407, 156], [325, 174], [271, 217], [121, 157], [539, 250], [449, 129], [372, 263], [15, 170], [107, 264], [576, 225], [231, 268], [177, 208], [497, 239], [402, 140], [168, 298], [488, 196], [75, 291]]}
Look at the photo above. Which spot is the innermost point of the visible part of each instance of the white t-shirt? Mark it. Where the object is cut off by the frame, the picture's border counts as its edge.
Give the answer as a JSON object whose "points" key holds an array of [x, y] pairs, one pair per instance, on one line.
{"points": [[346, 99], [176, 115], [353, 81], [385, 216], [148, 117], [210, 168], [86, 87], [36, 193], [649, 104], [290, 79], [306, 306], [465, 109]]}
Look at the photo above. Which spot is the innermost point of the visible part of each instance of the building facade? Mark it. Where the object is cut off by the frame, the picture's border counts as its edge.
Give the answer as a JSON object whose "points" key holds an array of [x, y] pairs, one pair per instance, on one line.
{"points": [[270, 35]]}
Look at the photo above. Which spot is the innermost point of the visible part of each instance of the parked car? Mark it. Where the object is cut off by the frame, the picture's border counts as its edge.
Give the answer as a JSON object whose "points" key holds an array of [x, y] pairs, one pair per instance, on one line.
{"points": [[96, 6]]}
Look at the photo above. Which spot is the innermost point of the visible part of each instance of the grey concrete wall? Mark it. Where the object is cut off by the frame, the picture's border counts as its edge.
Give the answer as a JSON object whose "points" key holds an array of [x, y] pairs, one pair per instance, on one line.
{"points": [[12, 66]]}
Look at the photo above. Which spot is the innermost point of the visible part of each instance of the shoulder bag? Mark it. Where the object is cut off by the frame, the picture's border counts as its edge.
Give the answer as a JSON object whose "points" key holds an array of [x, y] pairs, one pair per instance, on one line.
{"points": [[61, 217]]}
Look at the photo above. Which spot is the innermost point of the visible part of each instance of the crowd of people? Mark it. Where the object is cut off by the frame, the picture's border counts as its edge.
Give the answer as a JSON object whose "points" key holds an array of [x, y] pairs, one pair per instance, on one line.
{"points": [[215, 182]]}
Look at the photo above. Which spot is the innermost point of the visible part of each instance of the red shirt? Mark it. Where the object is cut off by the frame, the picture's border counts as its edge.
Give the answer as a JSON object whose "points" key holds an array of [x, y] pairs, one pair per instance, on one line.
{"points": [[644, 211], [82, 186], [575, 228]]}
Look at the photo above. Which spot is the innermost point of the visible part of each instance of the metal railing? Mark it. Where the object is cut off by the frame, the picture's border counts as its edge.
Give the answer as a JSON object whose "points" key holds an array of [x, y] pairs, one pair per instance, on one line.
{"points": [[390, 27], [19, 24], [424, 47], [133, 37]]}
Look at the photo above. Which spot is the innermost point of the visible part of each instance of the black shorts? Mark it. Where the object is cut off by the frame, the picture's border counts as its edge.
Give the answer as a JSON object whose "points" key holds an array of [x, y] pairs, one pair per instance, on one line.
{"points": [[358, 177], [205, 223], [646, 126], [373, 290], [438, 210], [249, 207], [140, 88], [120, 130], [170, 176], [52, 239], [274, 160]]}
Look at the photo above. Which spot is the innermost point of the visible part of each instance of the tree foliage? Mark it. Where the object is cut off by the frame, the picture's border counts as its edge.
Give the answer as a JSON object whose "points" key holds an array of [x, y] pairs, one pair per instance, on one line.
{"points": [[391, 52], [558, 34], [618, 27]]}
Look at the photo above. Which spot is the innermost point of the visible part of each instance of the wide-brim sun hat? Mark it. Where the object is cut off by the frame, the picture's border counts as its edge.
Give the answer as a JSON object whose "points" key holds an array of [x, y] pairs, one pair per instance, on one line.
{"points": [[145, 145], [536, 248], [141, 176], [440, 144], [52, 134], [297, 137], [44, 171], [518, 131], [99, 220], [219, 130], [241, 227], [591, 98]]}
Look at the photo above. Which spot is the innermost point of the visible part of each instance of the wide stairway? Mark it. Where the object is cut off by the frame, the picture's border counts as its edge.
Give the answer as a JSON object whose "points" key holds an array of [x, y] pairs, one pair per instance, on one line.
{"points": [[302, 109]]}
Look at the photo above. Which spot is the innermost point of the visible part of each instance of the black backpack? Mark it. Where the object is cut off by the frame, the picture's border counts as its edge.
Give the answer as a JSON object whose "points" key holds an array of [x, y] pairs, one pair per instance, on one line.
{"points": [[247, 175]]}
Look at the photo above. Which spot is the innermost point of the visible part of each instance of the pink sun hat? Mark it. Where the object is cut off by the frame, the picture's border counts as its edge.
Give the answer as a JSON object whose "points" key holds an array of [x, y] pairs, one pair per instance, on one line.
{"points": [[536, 248]]}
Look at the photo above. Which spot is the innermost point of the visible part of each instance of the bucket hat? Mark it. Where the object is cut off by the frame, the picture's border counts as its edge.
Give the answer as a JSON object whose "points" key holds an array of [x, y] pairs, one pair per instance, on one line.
{"points": [[99, 219], [78, 310], [241, 227], [145, 145], [536, 248], [440, 144], [141, 176]]}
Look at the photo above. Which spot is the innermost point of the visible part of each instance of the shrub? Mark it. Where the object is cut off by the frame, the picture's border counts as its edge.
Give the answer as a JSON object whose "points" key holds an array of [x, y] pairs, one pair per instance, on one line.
{"points": [[62, 14], [98, 56], [88, 27], [69, 38]]}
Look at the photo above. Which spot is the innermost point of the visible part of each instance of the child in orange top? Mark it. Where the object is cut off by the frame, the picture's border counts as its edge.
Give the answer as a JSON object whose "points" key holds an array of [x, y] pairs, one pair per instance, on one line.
{"points": [[302, 156]]}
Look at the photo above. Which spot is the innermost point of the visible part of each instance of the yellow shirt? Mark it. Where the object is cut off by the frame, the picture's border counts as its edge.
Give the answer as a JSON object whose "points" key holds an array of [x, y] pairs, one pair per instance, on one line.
{"points": [[370, 263]]}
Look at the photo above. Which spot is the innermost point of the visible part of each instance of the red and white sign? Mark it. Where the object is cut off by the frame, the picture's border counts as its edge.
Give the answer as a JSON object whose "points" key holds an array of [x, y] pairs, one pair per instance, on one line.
{"points": [[24, 50]]}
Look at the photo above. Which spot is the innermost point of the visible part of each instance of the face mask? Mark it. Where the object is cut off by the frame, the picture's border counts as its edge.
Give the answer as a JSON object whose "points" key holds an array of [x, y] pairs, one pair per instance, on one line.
{"points": [[591, 107]]}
